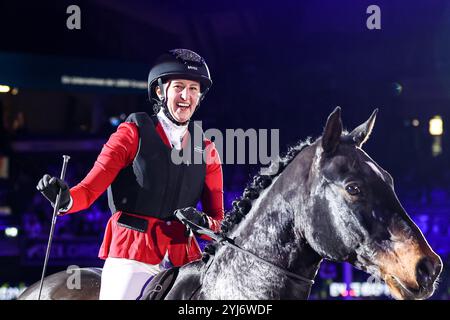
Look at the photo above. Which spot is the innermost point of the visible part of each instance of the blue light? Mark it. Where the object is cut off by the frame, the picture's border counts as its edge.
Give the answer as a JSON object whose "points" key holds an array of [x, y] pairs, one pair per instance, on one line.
{"points": [[114, 121]]}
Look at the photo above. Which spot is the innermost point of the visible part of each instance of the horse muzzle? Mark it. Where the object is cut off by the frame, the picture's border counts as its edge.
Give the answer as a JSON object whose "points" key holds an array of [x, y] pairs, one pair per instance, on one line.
{"points": [[427, 271]]}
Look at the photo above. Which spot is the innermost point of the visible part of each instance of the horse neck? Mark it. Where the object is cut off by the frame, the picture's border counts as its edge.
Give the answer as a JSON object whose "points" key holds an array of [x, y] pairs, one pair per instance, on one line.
{"points": [[268, 231]]}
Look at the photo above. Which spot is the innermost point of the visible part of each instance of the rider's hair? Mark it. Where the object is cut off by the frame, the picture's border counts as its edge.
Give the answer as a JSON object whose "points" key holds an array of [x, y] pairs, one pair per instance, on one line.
{"points": [[157, 102]]}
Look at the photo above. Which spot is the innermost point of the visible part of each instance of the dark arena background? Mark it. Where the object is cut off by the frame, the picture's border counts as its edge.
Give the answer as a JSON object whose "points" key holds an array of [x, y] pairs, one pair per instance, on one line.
{"points": [[275, 65]]}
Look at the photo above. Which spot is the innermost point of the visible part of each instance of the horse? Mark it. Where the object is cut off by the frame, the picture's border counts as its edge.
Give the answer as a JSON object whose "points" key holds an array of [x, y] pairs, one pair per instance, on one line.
{"points": [[325, 199]]}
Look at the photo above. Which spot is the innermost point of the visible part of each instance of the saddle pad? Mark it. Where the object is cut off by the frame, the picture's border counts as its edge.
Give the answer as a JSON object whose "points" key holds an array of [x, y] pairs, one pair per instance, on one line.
{"points": [[161, 284]]}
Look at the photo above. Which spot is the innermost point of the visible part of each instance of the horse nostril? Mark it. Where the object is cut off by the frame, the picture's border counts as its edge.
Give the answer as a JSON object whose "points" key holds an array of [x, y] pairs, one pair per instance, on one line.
{"points": [[426, 272], [437, 268]]}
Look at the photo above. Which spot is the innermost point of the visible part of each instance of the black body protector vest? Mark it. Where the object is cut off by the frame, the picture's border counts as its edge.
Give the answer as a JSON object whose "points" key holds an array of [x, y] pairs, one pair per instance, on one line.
{"points": [[160, 179]]}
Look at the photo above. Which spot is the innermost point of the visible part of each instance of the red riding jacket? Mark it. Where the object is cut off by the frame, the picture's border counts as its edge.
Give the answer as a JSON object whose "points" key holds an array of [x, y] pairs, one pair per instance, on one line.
{"points": [[161, 236]]}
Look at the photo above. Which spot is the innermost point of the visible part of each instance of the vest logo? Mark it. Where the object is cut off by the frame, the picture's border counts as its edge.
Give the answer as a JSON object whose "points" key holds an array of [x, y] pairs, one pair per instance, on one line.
{"points": [[192, 67]]}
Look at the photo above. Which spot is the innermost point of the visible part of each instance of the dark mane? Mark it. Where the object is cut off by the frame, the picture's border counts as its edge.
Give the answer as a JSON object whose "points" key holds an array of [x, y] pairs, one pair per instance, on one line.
{"points": [[243, 204]]}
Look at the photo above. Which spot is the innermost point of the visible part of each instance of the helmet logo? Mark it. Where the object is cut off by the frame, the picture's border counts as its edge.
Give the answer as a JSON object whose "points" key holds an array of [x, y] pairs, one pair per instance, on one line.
{"points": [[192, 67]]}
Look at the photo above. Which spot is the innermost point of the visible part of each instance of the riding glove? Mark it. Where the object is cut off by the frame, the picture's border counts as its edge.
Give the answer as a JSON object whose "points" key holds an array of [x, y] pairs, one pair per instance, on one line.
{"points": [[50, 186], [195, 216]]}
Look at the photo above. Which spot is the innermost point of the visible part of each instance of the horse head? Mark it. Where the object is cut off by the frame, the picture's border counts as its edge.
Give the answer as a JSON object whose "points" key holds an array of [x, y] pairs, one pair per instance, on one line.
{"points": [[354, 214]]}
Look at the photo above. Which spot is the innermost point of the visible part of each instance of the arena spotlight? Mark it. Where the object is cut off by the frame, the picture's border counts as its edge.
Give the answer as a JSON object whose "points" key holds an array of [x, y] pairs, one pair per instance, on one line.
{"points": [[114, 121], [436, 126], [11, 232], [4, 89]]}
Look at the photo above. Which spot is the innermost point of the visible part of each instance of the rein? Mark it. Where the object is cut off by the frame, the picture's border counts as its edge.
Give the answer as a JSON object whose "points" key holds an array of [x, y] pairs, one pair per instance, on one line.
{"points": [[224, 240]]}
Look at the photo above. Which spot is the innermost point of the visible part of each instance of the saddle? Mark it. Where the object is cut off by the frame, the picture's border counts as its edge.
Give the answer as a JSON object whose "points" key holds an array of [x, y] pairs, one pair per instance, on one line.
{"points": [[161, 284]]}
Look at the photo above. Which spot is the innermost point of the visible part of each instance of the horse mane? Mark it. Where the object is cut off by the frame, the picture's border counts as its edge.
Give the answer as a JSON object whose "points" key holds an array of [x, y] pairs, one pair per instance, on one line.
{"points": [[260, 182]]}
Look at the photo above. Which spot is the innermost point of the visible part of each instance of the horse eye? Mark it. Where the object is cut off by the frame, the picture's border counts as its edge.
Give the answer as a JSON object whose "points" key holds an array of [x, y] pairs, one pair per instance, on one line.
{"points": [[353, 189]]}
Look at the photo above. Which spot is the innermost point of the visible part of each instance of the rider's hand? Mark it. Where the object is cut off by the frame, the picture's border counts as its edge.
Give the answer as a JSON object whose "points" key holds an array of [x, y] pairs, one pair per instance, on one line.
{"points": [[50, 186], [195, 216]]}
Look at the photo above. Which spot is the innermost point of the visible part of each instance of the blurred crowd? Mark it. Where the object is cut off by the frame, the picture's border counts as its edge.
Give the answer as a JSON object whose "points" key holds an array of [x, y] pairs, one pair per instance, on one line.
{"points": [[422, 180]]}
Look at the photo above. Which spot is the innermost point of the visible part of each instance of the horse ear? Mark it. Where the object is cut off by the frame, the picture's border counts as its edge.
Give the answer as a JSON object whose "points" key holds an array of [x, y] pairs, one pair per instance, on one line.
{"points": [[361, 133], [332, 132]]}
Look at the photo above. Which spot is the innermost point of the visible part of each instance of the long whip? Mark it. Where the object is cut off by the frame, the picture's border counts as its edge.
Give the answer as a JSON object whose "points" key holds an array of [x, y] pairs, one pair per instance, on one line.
{"points": [[52, 229]]}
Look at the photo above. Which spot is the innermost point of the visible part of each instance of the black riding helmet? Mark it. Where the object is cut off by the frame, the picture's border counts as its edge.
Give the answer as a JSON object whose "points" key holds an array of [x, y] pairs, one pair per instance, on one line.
{"points": [[177, 63]]}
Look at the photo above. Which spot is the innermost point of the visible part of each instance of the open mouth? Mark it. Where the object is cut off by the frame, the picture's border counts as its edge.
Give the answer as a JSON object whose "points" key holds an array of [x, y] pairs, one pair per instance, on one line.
{"points": [[401, 291], [183, 106]]}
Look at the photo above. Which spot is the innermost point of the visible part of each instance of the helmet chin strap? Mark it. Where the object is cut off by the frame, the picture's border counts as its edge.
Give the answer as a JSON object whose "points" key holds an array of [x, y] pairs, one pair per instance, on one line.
{"points": [[164, 106]]}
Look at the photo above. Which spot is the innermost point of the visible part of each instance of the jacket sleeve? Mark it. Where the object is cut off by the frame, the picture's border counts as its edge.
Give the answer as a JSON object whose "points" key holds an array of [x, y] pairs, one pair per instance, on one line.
{"points": [[118, 152], [212, 196]]}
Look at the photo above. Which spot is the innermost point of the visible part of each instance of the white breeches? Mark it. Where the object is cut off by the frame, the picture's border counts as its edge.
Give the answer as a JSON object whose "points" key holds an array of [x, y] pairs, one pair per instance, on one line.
{"points": [[124, 279]]}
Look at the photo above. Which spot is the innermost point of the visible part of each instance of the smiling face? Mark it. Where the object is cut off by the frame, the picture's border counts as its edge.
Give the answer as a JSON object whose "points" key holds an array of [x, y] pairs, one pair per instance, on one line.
{"points": [[358, 218], [183, 97]]}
